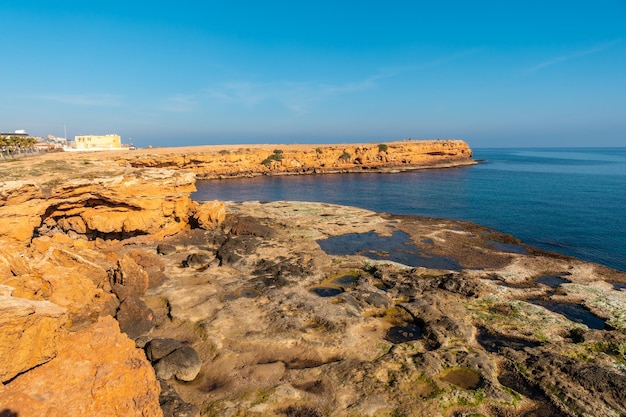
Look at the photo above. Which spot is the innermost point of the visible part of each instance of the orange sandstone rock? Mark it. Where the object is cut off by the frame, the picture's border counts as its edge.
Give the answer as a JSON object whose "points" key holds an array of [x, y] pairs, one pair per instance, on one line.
{"points": [[209, 215], [214, 162], [72, 278], [144, 202], [97, 372], [30, 334], [129, 279]]}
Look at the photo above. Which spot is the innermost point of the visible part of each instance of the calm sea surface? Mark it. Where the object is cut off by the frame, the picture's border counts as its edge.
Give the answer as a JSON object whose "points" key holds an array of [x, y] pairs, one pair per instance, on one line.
{"points": [[571, 201]]}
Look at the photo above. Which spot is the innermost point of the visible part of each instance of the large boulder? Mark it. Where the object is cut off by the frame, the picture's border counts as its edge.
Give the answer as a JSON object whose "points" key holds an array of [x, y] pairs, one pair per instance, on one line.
{"points": [[183, 363], [152, 264], [165, 249], [129, 279], [135, 318], [159, 348], [97, 372]]}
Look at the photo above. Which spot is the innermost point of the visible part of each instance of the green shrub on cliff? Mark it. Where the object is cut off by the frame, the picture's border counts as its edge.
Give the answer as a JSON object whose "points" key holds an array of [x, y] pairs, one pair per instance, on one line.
{"points": [[345, 156], [382, 147], [276, 156]]}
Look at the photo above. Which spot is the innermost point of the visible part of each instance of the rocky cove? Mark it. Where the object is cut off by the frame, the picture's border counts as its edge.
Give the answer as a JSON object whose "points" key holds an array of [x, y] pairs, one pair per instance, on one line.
{"points": [[119, 295]]}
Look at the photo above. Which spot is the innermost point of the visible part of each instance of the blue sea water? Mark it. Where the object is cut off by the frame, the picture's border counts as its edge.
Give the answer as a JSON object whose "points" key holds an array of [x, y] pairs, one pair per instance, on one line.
{"points": [[571, 201]]}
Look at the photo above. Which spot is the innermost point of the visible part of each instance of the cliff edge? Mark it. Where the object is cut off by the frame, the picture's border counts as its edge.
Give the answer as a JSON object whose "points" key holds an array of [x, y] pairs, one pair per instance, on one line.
{"points": [[252, 160]]}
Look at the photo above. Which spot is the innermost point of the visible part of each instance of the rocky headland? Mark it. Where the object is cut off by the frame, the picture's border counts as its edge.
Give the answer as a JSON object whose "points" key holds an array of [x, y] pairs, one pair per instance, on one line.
{"points": [[252, 160], [119, 295]]}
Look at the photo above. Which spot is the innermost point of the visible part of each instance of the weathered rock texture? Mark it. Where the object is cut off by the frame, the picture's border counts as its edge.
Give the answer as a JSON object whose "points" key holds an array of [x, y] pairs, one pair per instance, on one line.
{"points": [[251, 311], [285, 328], [143, 202], [64, 273], [97, 372], [30, 334], [308, 159]]}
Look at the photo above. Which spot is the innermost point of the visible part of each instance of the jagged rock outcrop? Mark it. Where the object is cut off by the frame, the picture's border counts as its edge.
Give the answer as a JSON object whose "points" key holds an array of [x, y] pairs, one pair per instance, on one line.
{"points": [[96, 372], [307, 159], [208, 215], [129, 279], [142, 202], [63, 275], [56, 270]]}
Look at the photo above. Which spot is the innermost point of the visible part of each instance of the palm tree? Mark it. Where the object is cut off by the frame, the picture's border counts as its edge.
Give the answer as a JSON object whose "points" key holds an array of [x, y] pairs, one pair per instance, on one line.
{"points": [[16, 144]]}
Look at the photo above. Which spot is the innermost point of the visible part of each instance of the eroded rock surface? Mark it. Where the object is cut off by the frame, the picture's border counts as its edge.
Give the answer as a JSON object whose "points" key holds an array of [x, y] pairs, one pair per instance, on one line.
{"points": [[31, 331], [142, 202], [284, 328], [271, 310], [96, 372]]}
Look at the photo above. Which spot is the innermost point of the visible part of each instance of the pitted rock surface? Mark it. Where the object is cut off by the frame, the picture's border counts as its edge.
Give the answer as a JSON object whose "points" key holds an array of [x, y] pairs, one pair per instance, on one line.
{"points": [[282, 326]]}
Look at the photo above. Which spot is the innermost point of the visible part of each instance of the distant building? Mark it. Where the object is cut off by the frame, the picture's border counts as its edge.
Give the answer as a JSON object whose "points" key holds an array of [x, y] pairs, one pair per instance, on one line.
{"points": [[98, 142], [20, 133]]}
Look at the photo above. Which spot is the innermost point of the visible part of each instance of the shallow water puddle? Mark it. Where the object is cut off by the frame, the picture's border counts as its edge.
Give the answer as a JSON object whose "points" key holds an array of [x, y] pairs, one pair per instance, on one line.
{"points": [[326, 291], [573, 312], [345, 280], [242, 293], [551, 281], [405, 333], [397, 248], [463, 378], [335, 284]]}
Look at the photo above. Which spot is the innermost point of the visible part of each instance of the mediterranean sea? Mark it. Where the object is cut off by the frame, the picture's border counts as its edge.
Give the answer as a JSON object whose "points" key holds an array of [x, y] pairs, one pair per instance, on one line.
{"points": [[566, 200]]}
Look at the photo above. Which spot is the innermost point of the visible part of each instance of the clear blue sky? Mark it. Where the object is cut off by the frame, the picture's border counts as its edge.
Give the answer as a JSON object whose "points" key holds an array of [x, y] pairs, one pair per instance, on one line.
{"points": [[494, 73]]}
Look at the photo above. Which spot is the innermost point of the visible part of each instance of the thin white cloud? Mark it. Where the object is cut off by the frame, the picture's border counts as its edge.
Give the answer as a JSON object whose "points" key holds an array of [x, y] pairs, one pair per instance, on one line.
{"points": [[104, 100], [299, 96], [178, 103], [295, 96], [572, 55], [395, 71], [247, 93]]}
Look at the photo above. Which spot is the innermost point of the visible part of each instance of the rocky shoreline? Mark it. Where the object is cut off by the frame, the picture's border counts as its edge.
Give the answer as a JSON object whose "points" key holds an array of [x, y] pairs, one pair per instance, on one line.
{"points": [[119, 295]]}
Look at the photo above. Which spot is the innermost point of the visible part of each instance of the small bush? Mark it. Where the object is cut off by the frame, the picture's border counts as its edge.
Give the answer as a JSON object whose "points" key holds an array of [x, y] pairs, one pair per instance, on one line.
{"points": [[382, 147], [276, 156], [318, 150], [224, 152], [345, 156]]}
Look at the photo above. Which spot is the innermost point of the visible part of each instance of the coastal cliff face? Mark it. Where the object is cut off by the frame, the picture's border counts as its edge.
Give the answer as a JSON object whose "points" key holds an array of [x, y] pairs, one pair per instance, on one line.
{"points": [[64, 277], [309, 159], [144, 202], [121, 296]]}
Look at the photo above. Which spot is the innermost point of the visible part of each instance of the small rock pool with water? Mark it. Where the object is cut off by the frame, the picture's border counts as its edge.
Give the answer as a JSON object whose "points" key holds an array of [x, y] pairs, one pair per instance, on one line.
{"points": [[397, 248]]}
